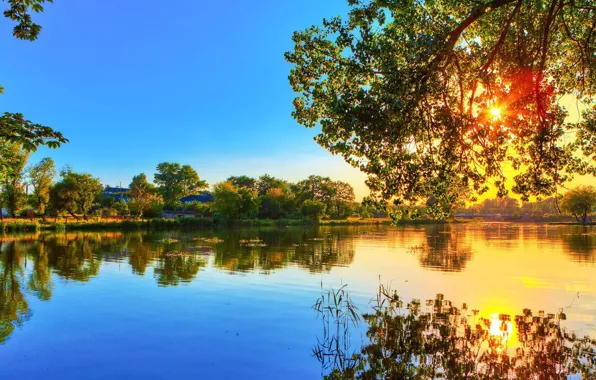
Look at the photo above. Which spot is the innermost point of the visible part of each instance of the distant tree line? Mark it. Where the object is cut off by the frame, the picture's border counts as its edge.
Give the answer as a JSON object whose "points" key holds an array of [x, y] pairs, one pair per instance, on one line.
{"points": [[41, 190], [578, 203]]}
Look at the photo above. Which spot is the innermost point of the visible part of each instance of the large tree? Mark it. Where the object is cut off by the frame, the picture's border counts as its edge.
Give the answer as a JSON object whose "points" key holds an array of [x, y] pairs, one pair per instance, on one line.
{"points": [[426, 96], [42, 178], [13, 126], [176, 181]]}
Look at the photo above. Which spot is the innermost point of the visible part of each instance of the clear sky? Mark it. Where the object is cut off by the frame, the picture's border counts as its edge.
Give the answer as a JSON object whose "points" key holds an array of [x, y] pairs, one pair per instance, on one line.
{"points": [[137, 82]]}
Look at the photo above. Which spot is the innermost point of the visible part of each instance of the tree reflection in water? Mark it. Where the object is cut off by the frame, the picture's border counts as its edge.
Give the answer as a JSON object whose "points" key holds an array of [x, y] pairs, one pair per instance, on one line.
{"points": [[14, 309], [439, 340], [79, 257], [443, 250]]}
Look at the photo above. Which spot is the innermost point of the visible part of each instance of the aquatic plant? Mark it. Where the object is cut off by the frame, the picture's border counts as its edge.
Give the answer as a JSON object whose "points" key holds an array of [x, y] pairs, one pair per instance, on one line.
{"points": [[252, 243]]}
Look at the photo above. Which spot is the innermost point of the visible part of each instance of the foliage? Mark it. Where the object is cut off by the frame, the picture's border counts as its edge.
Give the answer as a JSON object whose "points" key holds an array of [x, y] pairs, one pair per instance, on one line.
{"points": [[42, 178], [19, 12], [312, 209], [75, 193], [121, 208], [337, 196], [243, 181], [277, 203], [155, 209], [233, 203], [176, 181], [204, 209], [12, 171], [425, 95], [580, 203], [249, 203], [141, 192], [270, 207], [13, 126], [267, 182]]}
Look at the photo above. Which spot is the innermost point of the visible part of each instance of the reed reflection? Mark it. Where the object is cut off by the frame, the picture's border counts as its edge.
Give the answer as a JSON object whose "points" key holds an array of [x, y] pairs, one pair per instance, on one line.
{"points": [[438, 340]]}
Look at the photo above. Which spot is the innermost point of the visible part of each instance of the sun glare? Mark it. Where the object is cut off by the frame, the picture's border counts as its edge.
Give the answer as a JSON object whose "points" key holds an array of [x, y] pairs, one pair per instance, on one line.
{"points": [[495, 112]]}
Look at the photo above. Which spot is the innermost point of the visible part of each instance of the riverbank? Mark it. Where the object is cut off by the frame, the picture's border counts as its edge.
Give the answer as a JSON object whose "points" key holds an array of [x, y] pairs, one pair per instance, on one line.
{"points": [[26, 225]]}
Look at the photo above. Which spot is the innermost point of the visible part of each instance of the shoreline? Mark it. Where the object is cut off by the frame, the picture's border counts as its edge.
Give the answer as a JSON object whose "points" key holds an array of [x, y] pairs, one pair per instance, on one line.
{"points": [[23, 225]]}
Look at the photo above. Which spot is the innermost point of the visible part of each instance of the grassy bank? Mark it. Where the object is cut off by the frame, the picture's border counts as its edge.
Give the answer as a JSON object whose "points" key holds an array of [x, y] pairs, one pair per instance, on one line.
{"points": [[27, 225]]}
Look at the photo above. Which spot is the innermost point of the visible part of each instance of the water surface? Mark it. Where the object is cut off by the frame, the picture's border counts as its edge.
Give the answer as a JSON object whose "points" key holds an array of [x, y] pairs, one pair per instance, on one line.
{"points": [[164, 305]]}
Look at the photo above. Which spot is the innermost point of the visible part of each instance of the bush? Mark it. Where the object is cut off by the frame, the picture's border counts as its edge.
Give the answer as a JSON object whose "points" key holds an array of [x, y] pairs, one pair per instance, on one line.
{"points": [[155, 210], [312, 209]]}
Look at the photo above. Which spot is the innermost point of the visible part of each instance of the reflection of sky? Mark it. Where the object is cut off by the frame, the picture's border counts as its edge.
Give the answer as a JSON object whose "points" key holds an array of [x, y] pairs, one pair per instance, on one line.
{"points": [[261, 322]]}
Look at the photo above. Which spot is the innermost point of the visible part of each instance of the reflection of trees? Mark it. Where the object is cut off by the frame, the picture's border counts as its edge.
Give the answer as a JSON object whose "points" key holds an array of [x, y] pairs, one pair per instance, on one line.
{"points": [[444, 249], [581, 244], [40, 279], [75, 259], [317, 250], [501, 235], [14, 308], [171, 271], [140, 255], [442, 341]]}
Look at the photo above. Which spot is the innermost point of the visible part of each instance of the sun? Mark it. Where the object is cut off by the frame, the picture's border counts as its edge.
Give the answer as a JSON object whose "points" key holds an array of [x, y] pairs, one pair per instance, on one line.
{"points": [[496, 112]]}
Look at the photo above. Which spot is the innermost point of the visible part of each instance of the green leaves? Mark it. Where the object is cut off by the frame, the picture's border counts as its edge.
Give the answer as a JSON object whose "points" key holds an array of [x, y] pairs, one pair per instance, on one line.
{"points": [[405, 91], [16, 129], [25, 28], [176, 181], [13, 126]]}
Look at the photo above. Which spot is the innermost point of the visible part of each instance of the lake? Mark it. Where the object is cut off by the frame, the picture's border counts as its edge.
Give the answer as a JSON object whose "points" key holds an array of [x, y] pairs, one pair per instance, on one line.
{"points": [[238, 303]]}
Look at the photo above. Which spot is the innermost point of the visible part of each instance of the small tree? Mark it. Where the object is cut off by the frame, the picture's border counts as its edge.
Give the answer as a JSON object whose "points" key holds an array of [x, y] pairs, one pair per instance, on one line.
{"points": [[580, 203], [42, 178], [76, 192], [141, 192]]}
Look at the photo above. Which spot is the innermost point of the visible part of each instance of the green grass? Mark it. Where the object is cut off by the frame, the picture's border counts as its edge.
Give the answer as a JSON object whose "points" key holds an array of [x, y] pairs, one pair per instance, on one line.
{"points": [[185, 223]]}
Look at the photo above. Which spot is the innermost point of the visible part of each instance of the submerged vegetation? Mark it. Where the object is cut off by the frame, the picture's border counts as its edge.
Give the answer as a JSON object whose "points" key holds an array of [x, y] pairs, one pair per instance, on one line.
{"points": [[439, 340]]}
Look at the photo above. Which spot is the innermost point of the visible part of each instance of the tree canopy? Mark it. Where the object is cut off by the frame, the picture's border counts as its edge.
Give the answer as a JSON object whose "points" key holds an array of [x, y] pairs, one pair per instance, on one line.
{"points": [[428, 96], [42, 178], [13, 126], [13, 160], [76, 192], [580, 203], [176, 181]]}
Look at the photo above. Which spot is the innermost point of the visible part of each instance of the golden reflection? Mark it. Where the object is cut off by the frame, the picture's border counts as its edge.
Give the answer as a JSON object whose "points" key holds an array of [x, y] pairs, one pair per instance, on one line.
{"points": [[444, 341]]}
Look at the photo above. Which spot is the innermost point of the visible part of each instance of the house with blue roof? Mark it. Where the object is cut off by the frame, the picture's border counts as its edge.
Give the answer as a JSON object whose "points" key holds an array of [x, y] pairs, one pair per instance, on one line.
{"points": [[118, 193], [204, 197]]}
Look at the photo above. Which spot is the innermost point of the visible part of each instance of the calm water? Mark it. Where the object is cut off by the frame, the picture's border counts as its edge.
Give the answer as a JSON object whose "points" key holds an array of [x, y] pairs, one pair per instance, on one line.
{"points": [[137, 305]]}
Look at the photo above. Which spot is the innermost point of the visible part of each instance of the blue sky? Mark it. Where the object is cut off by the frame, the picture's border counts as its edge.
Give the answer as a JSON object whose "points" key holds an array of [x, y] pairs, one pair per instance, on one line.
{"points": [[137, 82]]}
